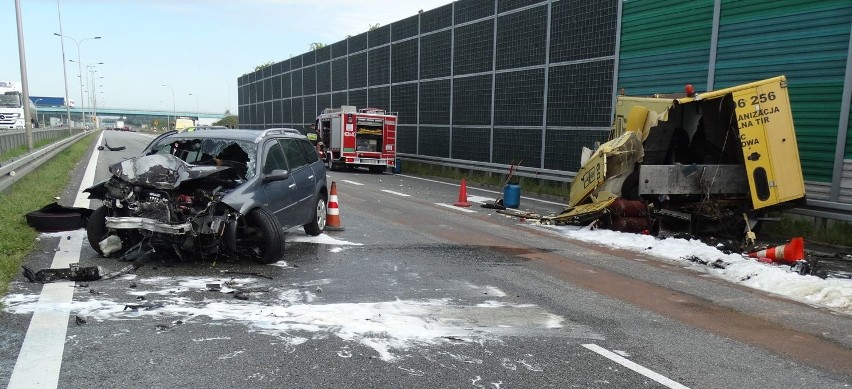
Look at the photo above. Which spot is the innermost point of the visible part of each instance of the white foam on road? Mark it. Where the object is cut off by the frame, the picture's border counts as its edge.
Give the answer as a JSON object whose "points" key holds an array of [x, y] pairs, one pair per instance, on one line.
{"points": [[320, 239], [832, 293], [293, 315], [455, 208]]}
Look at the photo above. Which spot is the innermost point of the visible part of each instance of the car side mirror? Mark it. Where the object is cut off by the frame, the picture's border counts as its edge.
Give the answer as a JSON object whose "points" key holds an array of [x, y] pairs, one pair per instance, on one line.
{"points": [[276, 175]]}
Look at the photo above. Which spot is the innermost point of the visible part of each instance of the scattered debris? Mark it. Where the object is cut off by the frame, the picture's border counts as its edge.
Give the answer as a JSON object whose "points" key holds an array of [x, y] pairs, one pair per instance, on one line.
{"points": [[214, 287], [79, 320], [75, 273], [110, 148], [146, 307], [247, 274]]}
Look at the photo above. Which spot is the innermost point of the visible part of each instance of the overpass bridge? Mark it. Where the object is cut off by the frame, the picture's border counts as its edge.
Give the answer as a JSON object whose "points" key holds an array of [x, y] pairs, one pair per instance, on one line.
{"points": [[51, 116]]}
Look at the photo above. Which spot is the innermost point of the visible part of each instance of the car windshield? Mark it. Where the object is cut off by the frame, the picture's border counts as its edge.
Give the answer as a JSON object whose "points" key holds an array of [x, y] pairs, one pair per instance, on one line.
{"points": [[211, 151], [10, 100]]}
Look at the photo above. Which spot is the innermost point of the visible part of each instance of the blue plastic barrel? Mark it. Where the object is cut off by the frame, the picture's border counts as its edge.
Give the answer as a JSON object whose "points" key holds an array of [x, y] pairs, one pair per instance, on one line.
{"points": [[512, 196], [397, 168]]}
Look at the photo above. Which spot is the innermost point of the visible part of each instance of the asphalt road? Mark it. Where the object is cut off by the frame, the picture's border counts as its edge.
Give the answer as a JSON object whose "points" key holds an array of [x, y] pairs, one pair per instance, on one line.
{"points": [[415, 293]]}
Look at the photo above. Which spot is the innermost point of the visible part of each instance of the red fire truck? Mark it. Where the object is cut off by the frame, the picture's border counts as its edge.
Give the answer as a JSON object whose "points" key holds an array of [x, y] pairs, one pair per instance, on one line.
{"points": [[358, 137]]}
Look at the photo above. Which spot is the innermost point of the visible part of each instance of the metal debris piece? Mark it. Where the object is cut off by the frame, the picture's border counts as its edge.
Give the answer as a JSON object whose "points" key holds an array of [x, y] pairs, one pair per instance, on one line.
{"points": [[247, 274], [147, 307], [71, 273], [75, 273]]}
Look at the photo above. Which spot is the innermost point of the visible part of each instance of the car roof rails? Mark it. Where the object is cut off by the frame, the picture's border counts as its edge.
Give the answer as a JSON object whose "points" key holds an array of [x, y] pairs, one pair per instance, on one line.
{"points": [[280, 131]]}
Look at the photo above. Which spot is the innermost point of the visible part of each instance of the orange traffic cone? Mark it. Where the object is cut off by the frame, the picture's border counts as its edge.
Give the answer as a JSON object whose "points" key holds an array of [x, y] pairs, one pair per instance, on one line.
{"points": [[332, 220], [787, 253], [462, 195]]}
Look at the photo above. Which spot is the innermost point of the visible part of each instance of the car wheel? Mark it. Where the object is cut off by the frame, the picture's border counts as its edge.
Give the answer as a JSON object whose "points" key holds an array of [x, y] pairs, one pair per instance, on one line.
{"points": [[96, 229], [317, 224], [267, 237]]}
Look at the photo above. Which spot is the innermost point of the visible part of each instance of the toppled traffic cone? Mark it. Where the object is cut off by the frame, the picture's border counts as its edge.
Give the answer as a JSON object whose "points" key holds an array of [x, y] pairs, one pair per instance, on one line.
{"points": [[787, 253], [462, 195], [332, 219]]}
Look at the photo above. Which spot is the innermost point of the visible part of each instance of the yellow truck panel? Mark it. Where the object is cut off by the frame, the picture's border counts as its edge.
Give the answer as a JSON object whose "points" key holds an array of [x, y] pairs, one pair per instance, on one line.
{"points": [[768, 142]]}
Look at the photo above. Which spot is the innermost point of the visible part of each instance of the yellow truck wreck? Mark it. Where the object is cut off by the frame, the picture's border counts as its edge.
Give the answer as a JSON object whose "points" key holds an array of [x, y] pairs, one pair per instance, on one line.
{"points": [[708, 163]]}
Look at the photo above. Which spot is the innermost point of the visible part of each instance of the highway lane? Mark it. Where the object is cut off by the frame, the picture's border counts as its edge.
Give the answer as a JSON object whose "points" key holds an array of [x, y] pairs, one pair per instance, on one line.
{"points": [[418, 294]]}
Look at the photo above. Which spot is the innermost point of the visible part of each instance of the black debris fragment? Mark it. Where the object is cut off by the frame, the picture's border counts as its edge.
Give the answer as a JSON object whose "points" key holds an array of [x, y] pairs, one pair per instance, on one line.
{"points": [[166, 327], [247, 274], [110, 148], [146, 307], [75, 273], [214, 287], [72, 273], [241, 295], [79, 320]]}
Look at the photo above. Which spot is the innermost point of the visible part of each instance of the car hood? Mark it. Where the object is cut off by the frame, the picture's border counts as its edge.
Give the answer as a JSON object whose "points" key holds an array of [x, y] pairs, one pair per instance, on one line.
{"points": [[160, 171]]}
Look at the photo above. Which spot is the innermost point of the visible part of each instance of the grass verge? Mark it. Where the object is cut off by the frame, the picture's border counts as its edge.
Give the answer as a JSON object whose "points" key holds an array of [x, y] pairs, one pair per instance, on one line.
{"points": [[32, 192], [815, 230]]}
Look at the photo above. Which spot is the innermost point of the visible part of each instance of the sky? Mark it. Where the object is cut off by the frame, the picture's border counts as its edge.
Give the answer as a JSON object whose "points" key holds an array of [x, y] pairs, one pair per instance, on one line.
{"points": [[197, 47]]}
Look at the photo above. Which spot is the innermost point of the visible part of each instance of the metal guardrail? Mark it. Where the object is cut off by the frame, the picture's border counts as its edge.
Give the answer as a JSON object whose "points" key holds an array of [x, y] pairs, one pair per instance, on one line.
{"points": [[12, 139], [523, 171], [825, 210], [14, 170]]}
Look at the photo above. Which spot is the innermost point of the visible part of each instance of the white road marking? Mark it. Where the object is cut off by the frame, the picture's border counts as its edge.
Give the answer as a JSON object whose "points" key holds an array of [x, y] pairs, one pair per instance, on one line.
{"points": [[634, 366], [450, 206], [479, 189], [395, 193], [352, 182], [40, 359]]}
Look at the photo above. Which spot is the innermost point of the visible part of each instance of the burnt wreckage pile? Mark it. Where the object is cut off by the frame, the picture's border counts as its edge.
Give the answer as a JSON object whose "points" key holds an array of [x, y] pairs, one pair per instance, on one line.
{"points": [[706, 164]]}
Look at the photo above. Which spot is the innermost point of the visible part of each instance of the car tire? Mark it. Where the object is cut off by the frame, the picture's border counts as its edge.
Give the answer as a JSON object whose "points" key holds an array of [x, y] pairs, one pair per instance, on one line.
{"points": [[317, 224], [54, 222], [270, 243], [96, 229]]}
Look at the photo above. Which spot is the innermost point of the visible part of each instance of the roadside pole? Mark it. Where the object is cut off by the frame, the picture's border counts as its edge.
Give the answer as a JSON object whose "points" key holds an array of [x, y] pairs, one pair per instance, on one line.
{"points": [[25, 87]]}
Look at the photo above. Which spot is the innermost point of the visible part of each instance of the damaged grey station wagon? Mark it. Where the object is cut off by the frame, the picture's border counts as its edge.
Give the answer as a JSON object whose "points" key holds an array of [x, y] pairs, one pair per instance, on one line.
{"points": [[211, 194]]}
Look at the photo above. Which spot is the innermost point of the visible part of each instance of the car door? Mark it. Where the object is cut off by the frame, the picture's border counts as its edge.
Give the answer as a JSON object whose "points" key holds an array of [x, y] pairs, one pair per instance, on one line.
{"points": [[303, 176], [281, 196]]}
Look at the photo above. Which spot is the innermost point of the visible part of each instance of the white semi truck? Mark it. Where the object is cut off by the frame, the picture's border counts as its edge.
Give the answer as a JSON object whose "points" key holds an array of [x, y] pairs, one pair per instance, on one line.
{"points": [[12, 106]]}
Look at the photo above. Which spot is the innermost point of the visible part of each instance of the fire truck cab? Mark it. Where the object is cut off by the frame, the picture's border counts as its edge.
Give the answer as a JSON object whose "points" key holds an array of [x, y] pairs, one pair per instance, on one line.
{"points": [[358, 137]]}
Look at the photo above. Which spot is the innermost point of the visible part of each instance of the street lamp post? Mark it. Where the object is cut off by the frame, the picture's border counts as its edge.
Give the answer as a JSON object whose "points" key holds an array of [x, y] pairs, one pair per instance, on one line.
{"points": [[197, 109], [79, 66], [174, 110], [93, 83]]}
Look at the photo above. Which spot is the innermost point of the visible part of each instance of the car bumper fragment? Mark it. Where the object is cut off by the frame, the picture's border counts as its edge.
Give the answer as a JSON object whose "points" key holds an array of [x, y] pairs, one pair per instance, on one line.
{"points": [[132, 223]]}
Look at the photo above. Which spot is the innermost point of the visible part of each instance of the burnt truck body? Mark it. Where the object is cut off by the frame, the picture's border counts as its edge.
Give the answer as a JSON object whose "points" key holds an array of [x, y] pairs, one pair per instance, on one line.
{"points": [[210, 194], [708, 163]]}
